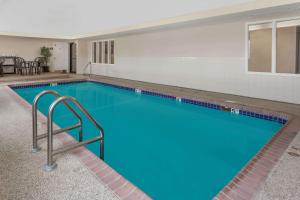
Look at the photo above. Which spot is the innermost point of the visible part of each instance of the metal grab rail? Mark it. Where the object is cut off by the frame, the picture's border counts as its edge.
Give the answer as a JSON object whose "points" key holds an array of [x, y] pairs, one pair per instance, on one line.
{"points": [[35, 147], [50, 153], [90, 71]]}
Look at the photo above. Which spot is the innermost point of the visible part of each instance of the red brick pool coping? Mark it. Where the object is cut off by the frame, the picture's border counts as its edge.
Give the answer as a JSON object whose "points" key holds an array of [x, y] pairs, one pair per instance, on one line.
{"points": [[242, 187], [248, 181]]}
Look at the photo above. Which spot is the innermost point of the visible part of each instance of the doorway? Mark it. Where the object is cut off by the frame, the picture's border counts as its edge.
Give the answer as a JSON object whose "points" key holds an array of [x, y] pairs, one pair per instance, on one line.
{"points": [[60, 56], [73, 57]]}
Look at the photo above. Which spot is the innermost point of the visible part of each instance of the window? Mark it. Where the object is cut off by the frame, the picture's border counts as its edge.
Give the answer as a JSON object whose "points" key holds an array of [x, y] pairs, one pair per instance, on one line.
{"points": [[112, 52], [103, 52], [100, 52], [274, 47], [106, 52], [287, 47], [260, 48], [94, 52]]}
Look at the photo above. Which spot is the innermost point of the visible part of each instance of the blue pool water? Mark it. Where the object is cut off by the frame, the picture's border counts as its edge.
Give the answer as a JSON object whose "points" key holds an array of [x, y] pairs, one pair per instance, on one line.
{"points": [[170, 150]]}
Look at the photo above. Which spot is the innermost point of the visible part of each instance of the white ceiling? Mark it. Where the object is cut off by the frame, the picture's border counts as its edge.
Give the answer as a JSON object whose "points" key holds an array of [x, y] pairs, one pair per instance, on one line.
{"points": [[67, 18], [72, 17]]}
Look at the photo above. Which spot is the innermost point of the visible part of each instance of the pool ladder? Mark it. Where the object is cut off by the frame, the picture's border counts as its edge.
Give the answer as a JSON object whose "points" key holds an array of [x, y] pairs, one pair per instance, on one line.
{"points": [[51, 165]]}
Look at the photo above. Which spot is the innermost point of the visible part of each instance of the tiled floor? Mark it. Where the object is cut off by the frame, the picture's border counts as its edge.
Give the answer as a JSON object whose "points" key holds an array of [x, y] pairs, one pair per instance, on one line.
{"points": [[287, 161]]}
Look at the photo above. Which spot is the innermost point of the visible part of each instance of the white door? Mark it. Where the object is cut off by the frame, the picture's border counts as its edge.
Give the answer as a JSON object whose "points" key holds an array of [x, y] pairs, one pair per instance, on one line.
{"points": [[60, 59]]}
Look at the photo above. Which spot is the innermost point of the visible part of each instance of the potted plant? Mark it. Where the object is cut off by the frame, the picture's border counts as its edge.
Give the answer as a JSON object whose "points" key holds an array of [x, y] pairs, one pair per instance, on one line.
{"points": [[46, 53]]}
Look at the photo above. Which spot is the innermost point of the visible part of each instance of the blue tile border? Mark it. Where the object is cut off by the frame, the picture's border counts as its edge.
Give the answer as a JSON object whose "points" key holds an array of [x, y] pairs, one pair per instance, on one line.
{"points": [[202, 103], [28, 86], [215, 106], [112, 85], [71, 82], [262, 116], [158, 94], [34, 85]]}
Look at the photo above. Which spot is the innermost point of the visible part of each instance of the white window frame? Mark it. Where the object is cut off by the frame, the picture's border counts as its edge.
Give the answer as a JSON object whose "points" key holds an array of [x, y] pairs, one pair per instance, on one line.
{"points": [[274, 47], [103, 51]]}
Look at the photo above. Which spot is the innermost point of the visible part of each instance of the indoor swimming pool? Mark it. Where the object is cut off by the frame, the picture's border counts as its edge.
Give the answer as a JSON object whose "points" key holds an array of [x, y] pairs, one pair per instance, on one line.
{"points": [[170, 148]]}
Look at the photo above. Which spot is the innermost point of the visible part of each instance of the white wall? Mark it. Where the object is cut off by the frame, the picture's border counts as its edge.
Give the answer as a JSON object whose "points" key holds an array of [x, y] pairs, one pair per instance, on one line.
{"points": [[29, 49], [210, 57]]}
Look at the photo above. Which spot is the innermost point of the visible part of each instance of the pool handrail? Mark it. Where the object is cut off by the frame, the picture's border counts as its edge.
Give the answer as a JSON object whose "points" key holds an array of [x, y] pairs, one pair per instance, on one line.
{"points": [[37, 137], [50, 152], [89, 64]]}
